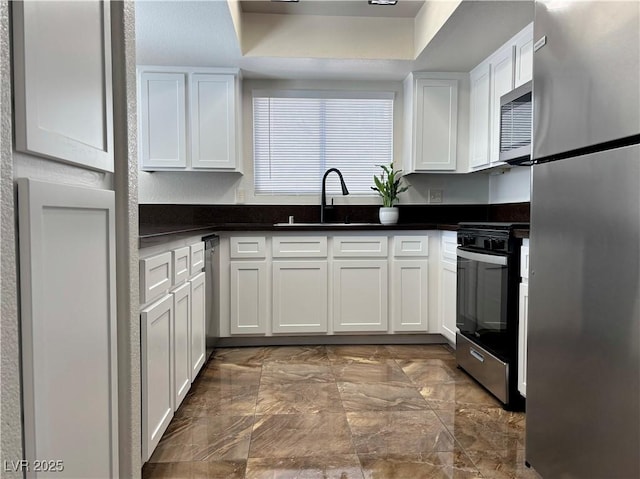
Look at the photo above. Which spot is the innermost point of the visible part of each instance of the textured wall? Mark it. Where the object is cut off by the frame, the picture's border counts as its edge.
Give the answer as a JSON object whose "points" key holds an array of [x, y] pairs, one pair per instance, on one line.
{"points": [[124, 181], [11, 427], [126, 186]]}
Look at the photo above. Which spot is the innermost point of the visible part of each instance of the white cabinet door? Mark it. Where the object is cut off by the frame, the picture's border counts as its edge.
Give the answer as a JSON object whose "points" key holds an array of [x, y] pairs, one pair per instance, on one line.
{"points": [[181, 343], [409, 296], [480, 111], [501, 83], [162, 121], [523, 326], [213, 121], [68, 327], [62, 80], [198, 313], [249, 291], [157, 372], [448, 303], [360, 295], [524, 56], [300, 296], [436, 129]]}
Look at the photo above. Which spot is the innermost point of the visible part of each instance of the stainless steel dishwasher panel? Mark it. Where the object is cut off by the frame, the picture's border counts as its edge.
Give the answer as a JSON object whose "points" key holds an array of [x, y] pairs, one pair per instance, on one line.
{"points": [[212, 326]]}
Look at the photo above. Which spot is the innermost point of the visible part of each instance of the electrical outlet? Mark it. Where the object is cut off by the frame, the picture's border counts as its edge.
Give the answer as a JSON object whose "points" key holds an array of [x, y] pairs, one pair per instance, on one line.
{"points": [[435, 196], [240, 196]]}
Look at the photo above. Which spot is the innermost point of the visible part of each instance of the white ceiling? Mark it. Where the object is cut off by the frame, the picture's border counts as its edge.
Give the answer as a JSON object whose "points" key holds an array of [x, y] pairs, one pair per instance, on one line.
{"points": [[356, 8], [201, 33]]}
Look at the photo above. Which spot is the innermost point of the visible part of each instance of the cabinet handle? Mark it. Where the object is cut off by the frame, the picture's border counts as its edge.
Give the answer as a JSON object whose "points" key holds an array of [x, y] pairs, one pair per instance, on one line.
{"points": [[476, 355]]}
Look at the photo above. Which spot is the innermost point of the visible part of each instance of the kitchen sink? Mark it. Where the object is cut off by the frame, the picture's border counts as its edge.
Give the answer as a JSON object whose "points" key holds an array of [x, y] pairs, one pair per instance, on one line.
{"points": [[326, 225]]}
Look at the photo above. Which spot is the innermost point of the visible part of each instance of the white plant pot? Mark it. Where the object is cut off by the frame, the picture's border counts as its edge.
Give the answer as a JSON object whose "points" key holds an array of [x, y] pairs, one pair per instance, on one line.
{"points": [[389, 216]]}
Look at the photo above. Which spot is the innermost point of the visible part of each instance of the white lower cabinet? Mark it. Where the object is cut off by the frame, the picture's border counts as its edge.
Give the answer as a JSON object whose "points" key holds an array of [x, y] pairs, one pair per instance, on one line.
{"points": [[172, 331], [181, 343], [306, 283], [249, 291], [157, 372], [409, 296], [360, 295], [448, 286], [198, 338], [300, 296]]}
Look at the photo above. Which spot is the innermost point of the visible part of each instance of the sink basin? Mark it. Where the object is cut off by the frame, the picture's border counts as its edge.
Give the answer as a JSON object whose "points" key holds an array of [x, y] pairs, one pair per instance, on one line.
{"points": [[325, 225]]}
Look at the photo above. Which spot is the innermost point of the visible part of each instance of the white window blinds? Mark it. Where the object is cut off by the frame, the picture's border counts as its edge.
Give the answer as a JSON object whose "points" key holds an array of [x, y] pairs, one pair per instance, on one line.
{"points": [[298, 135]]}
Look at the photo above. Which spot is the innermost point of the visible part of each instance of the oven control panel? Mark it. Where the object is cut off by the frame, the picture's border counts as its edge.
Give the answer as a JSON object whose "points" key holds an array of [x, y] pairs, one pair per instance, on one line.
{"points": [[496, 241]]}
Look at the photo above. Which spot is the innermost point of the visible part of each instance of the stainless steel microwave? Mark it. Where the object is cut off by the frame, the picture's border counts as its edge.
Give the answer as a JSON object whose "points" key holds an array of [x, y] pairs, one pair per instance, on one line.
{"points": [[516, 110]]}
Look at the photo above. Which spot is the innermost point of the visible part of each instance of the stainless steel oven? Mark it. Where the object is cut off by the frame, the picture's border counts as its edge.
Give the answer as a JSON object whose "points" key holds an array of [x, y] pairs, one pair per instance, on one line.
{"points": [[487, 307]]}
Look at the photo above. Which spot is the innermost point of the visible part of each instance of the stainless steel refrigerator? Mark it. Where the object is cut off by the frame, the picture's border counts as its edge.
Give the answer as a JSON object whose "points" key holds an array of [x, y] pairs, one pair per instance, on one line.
{"points": [[583, 376]]}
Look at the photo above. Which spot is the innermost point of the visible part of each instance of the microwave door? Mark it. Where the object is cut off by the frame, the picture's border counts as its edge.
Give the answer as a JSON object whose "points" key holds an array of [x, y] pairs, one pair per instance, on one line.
{"points": [[516, 125]]}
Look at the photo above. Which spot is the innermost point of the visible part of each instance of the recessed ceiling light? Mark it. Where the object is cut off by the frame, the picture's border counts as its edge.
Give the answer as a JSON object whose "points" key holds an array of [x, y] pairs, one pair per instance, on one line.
{"points": [[383, 2]]}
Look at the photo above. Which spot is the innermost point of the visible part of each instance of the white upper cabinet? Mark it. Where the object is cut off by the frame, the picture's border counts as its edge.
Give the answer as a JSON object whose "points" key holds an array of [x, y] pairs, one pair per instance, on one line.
{"points": [[63, 91], [162, 121], [508, 67], [480, 113], [431, 122], [501, 64], [213, 121], [524, 56], [188, 119]]}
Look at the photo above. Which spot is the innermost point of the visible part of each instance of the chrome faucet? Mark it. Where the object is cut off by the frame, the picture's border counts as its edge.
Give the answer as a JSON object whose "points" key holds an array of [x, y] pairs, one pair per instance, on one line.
{"points": [[323, 204]]}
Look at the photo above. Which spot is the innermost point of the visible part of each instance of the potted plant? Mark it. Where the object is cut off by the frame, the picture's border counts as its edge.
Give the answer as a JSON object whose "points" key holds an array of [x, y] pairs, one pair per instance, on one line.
{"points": [[388, 186]]}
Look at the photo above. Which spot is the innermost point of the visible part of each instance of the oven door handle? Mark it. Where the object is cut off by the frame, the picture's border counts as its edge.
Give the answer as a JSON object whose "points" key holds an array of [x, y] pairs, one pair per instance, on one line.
{"points": [[483, 258]]}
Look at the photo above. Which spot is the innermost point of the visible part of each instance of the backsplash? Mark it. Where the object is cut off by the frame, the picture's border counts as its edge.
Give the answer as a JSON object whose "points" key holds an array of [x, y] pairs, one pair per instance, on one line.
{"points": [[172, 214]]}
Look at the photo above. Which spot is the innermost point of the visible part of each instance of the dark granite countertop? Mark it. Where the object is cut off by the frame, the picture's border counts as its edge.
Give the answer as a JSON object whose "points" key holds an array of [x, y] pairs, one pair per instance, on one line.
{"points": [[521, 232], [154, 231], [155, 234]]}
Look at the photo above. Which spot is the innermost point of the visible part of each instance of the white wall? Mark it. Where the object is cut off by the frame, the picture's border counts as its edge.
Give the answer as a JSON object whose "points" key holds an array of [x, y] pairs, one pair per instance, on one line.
{"points": [[319, 36], [514, 186], [221, 188]]}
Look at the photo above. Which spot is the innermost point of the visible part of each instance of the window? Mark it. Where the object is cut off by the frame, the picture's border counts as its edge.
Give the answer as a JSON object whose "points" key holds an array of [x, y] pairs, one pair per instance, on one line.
{"points": [[298, 135]]}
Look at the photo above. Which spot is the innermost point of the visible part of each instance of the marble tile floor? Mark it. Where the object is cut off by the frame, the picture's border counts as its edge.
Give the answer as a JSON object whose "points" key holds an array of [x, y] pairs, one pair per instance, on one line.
{"points": [[339, 412]]}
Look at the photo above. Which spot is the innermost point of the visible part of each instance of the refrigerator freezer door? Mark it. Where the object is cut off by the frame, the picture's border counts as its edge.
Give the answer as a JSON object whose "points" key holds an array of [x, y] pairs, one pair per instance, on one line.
{"points": [[586, 84], [583, 377]]}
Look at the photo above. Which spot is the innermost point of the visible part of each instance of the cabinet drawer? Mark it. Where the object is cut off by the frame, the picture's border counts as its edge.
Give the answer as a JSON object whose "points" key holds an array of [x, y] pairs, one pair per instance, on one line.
{"points": [[181, 262], [247, 247], [155, 277], [299, 246], [411, 246], [524, 259], [484, 366], [449, 245], [360, 246], [197, 257]]}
